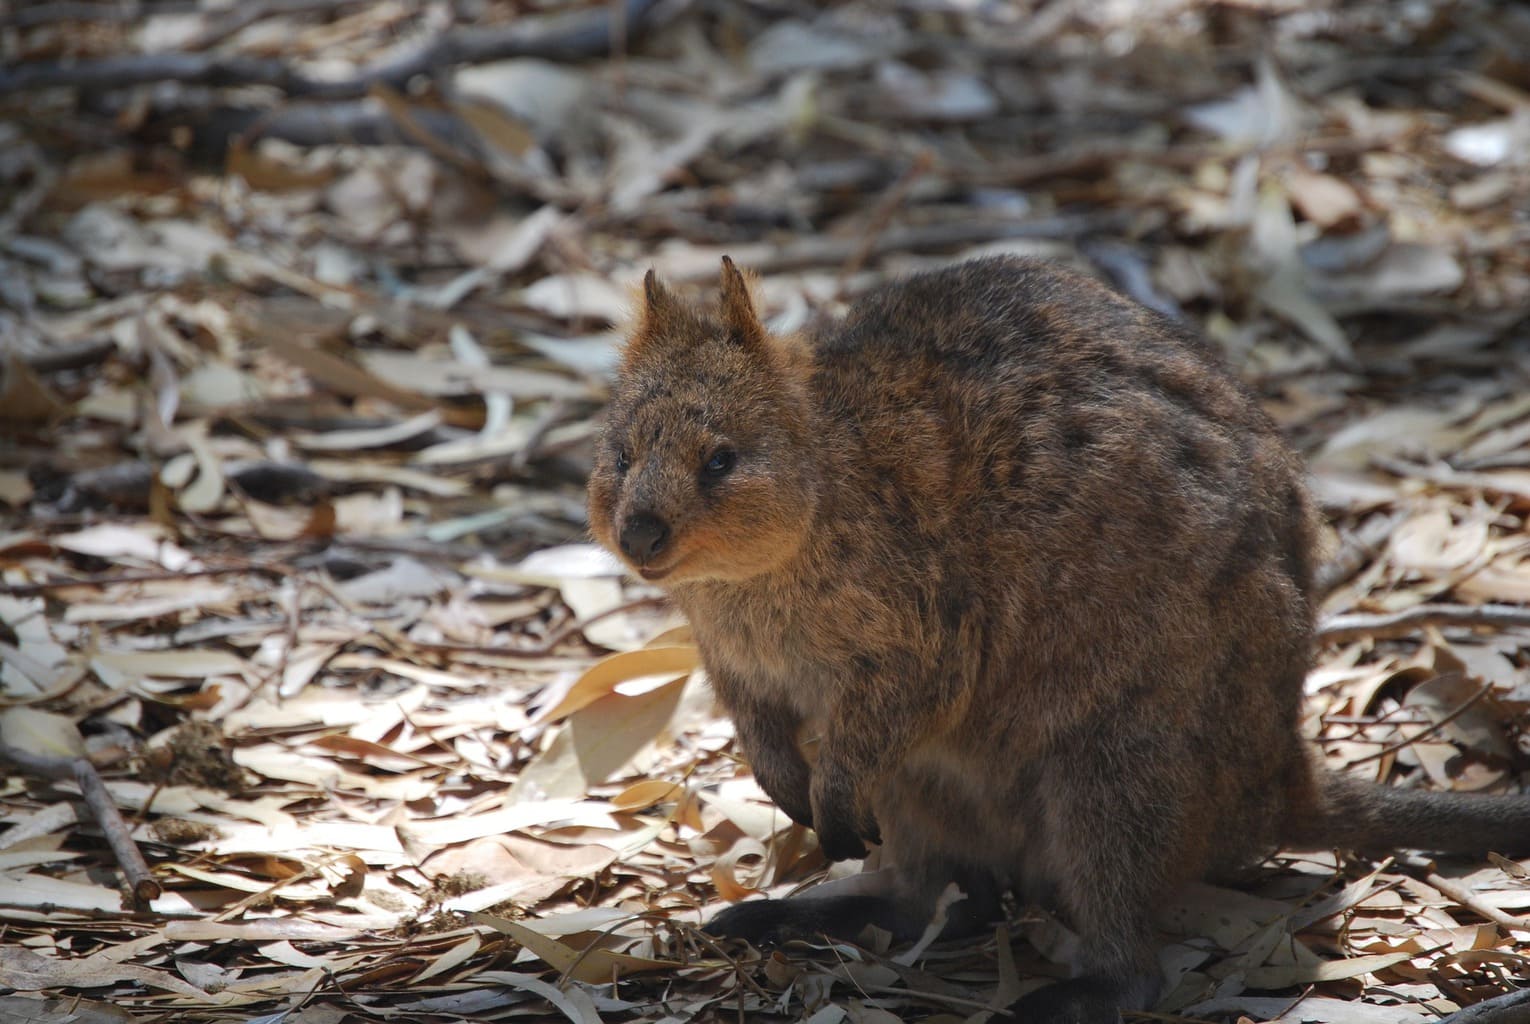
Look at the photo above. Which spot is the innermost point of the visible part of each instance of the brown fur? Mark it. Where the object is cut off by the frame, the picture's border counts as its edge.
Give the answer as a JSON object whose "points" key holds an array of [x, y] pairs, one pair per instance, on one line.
{"points": [[1035, 569]]}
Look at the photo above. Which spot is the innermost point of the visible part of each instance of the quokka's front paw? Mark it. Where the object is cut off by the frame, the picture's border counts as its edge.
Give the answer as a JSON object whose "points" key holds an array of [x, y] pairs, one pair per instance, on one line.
{"points": [[790, 788], [843, 822]]}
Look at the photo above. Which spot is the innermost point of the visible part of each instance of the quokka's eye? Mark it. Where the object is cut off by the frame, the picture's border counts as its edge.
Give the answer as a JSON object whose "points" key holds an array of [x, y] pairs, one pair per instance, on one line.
{"points": [[622, 461], [719, 465]]}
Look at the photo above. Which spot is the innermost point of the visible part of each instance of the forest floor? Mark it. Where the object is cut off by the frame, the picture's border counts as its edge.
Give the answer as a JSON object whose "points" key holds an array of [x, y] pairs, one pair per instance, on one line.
{"points": [[307, 309]]}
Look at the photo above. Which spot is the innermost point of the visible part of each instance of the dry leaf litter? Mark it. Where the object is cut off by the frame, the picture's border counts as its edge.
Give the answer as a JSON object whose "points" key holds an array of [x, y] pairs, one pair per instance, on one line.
{"points": [[307, 310]]}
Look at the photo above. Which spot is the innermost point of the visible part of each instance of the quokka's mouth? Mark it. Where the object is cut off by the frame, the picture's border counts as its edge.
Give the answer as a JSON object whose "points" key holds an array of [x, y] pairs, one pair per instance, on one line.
{"points": [[654, 573]]}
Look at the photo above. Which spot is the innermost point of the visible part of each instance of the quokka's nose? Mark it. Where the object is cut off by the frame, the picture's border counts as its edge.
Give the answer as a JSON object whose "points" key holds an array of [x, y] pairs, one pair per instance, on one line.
{"points": [[643, 536]]}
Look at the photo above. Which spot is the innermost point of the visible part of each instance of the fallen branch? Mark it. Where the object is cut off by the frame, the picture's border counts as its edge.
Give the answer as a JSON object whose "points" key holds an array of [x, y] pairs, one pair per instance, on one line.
{"points": [[143, 887], [364, 122], [830, 251], [1433, 728], [240, 16], [1129, 272], [151, 576], [553, 640], [1356, 550], [77, 355], [1509, 1008], [1344, 628], [143, 69], [574, 35], [882, 214], [1462, 895], [104, 13], [1445, 476]]}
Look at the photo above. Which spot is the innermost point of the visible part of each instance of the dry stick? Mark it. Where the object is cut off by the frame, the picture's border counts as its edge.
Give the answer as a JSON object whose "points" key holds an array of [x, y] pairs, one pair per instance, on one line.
{"points": [[402, 111], [738, 968], [881, 215], [1343, 628], [939, 998], [556, 413], [76, 355], [816, 252], [578, 625], [550, 644], [313, 123], [145, 889], [1129, 272], [308, 873], [567, 972], [1431, 729], [1356, 549], [46, 586], [1464, 896], [587, 32], [1444, 475], [1306, 991], [52, 13], [293, 621], [1509, 1008], [1092, 158], [235, 19]]}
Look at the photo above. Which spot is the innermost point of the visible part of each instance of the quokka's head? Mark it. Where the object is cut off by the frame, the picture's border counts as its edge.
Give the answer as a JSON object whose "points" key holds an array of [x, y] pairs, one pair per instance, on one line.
{"points": [[705, 469]]}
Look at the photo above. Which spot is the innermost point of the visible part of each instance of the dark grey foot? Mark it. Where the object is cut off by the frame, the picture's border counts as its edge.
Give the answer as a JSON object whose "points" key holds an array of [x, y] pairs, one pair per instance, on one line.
{"points": [[770, 922], [1077, 1001], [1088, 1000]]}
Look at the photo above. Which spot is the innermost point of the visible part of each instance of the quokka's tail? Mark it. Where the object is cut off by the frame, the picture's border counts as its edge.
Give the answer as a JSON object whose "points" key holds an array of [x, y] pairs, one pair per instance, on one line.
{"points": [[1359, 815]]}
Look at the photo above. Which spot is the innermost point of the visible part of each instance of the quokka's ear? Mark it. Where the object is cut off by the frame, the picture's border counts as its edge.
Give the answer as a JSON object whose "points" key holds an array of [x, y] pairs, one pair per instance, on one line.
{"points": [[655, 313], [658, 301], [738, 313]]}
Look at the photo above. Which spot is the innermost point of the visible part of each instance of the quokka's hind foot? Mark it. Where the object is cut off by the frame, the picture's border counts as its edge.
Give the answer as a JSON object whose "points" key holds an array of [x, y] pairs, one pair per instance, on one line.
{"points": [[771, 922], [1086, 1000]]}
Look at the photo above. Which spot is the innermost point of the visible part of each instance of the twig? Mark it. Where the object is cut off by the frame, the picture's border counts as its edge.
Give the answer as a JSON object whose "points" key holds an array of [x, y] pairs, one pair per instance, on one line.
{"points": [[1356, 549], [119, 13], [241, 16], [360, 122], [293, 617], [143, 886], [827, 251], [1343, 628], [47, 586], [308, 873], [73, 356], [1129, 272], [579, 625], [1432, 728], [882, 213], [1443, 475], [606, 933], [1463, 896], [587, 32], [938, 998], [364, 122], [1092, 158], [1509, 1008], [143, 69], [550, 644], [1083, 160], [1306, 991], [738, 968], [556, 413]]}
